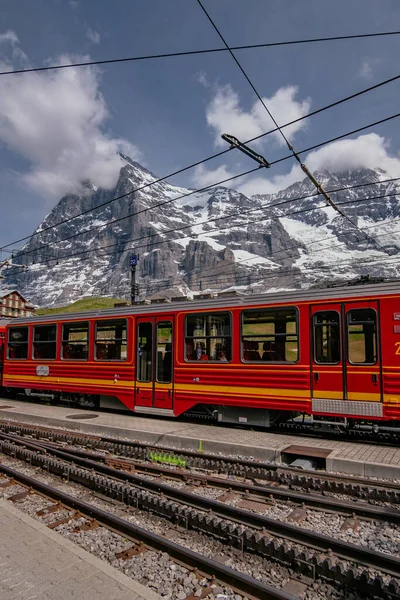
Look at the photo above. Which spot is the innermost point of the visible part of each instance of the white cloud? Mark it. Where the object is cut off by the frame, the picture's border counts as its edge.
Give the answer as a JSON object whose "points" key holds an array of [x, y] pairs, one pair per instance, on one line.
{"points": [[93, 36], [201, 77], [9, 36], [203, 177], [370, 151], [273, 185], [55, 121], [225, 115], [368, 67]]}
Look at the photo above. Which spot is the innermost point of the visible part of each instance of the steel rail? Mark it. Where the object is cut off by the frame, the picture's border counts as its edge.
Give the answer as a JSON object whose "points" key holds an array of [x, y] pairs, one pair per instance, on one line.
{"points": [[330, 504], [243, 467], [344, 550], [240, 581]]}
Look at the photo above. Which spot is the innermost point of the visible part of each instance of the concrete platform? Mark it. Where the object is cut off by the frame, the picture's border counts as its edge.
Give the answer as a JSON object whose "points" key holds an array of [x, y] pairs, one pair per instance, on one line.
{"points": [[37, 563], [347, 457]]}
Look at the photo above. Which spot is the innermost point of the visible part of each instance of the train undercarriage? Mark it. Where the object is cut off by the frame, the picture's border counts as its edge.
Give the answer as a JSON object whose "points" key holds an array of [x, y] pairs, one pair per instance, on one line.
{"points": [[274, 420]]}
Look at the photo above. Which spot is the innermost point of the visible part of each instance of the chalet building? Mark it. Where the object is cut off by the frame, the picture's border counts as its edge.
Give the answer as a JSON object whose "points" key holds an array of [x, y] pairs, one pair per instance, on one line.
{"points": [[13, 304]]}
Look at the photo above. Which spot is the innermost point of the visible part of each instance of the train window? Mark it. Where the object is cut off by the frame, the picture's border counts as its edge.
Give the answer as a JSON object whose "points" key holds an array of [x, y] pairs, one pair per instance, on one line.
{"points": [[270, 335], [327, 337], [144, 359], [110, 340], [361, 330], [208, 337], [18, 342], [75, 341], [164, 352], [44, 342]]}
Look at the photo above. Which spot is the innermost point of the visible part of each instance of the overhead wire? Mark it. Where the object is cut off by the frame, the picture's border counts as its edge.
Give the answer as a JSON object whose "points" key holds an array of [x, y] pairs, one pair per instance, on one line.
{"points": [[303, 166], [224, 217], [278, 128], [281, 272], [216, 155], [163, 203], [300, 246], [109, 61]]}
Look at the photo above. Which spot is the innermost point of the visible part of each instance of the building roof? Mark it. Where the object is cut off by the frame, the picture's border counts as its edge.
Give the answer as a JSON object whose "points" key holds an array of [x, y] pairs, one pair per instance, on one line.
{"points": [[4, 292]]}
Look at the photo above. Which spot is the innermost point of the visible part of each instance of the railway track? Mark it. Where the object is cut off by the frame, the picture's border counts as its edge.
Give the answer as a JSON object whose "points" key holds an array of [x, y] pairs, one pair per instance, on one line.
{"points": [[140, 539], [249, 470], [264, 495], [309, 554]]}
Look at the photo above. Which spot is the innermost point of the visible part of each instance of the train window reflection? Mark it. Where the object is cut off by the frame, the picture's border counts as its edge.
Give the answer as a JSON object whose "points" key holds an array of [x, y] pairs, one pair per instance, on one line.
{"points": [[327, 337], [270, 335], [75, 341], [110, 342], [18, 342], [145, 352], [44, 342], [361, 329], [208, 337], [164, 351]]}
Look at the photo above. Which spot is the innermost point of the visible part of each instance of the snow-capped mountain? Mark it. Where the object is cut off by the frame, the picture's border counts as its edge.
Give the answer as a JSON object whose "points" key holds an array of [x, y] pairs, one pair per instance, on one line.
{"points": [[218, 239]]}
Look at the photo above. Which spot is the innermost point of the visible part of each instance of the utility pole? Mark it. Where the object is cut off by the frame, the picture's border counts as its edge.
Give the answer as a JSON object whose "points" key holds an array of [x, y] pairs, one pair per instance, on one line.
{"points": [[133, 261]]}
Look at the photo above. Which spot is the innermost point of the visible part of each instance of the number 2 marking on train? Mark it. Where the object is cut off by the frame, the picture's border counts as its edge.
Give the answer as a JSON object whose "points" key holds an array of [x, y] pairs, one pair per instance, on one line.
{"points": [[397, 351]]}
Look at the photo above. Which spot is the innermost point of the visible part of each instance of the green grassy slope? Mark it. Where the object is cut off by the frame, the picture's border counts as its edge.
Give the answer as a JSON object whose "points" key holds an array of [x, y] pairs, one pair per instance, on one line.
{"points": [[80, 305]]}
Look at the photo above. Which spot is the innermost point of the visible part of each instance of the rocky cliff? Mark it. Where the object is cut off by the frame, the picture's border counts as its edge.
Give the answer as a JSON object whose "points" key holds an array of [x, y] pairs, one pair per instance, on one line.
{"points": [[218, 239]]}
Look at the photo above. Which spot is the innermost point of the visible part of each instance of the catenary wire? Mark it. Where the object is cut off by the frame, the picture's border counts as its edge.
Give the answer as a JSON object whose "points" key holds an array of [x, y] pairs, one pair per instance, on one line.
{"points": [[286, 249], [284, 272], [281, 272], [216, 155], [203, 51], [168, 240], [289, 145], [230, 178], [235, 214]]}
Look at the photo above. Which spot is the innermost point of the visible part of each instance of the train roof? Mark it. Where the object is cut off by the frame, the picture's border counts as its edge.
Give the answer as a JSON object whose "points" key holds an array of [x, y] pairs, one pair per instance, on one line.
{"points": [[227, 301]]}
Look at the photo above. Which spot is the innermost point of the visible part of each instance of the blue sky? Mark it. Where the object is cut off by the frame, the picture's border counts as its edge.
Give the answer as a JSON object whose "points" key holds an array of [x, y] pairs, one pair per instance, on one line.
{"points": [[56, 129]]}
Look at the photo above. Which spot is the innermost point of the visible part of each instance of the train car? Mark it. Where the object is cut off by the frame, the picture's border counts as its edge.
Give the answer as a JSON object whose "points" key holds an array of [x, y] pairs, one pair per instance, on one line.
{"points": [[3, 324], [333, 354]]}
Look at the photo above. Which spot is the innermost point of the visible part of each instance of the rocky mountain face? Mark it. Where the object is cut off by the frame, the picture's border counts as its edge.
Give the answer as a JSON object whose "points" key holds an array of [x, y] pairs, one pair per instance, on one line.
{"points": [[218, 239]]}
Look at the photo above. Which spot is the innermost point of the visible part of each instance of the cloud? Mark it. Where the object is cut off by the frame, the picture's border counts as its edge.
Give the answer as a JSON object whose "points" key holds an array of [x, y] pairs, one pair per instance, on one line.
{"points": [[201, 77], [55, 120], [203, 177], [93, 36], [368, 67], [225, 115], [272, 185], [9, 36], [370, 151]]}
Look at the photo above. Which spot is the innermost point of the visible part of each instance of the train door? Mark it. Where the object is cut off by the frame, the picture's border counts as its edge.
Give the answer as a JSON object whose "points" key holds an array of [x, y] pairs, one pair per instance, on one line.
{"points": [[363, 369], [327, 365], [345, 364], [154, 386]]}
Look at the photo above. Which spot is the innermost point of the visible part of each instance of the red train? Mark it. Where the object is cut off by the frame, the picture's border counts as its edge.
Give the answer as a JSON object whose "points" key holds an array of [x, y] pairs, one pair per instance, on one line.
{"points": [[332, 353]]}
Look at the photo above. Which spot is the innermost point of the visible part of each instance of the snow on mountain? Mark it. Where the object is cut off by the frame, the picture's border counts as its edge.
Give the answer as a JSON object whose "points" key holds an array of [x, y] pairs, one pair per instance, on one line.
{"points": [[214, 240]]}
